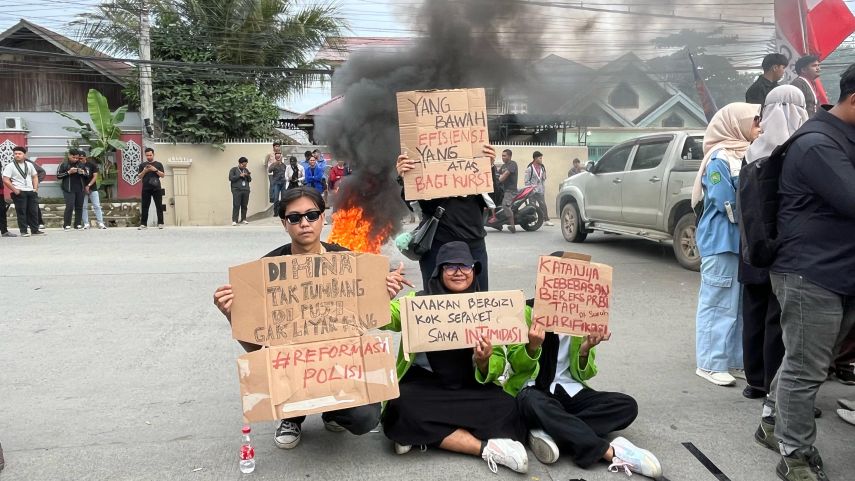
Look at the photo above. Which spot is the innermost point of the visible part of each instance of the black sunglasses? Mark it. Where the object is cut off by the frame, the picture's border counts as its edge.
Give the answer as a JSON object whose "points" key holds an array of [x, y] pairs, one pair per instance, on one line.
{"points": [[311, 216]]}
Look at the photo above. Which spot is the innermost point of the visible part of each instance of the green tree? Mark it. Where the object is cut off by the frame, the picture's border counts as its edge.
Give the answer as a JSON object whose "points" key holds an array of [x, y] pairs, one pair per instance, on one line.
{"points": [[244, 53]]}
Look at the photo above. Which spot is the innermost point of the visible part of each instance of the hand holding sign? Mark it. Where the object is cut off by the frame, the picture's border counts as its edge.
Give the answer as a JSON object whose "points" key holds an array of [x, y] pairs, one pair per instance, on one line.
{"points": [[396, 281], [591, 341], [536, 335], [483, 351]]}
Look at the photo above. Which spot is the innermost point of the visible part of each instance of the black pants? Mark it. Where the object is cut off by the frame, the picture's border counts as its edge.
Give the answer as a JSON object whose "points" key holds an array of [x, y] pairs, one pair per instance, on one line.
{"points": [[73, 202], [479, 252], [4, 227], [240, 201], [579, 423], [358, 420], [762, 344], [147, 196], [27, 210]]}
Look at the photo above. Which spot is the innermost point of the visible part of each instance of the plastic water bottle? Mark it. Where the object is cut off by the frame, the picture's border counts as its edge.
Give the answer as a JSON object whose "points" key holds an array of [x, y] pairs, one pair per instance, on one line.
{"points": [[247, 453]]}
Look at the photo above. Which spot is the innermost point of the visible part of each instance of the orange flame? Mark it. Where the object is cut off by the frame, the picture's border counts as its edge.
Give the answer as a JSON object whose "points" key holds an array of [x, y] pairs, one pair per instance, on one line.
{"points": [[355, 230]]}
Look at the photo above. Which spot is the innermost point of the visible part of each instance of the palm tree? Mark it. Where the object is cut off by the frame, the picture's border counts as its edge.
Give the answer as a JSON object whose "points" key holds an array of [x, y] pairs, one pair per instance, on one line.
{"points": [[261, 33]]}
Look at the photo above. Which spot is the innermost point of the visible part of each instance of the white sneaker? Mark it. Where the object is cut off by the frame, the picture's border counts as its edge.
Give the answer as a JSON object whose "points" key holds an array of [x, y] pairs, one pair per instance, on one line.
{"points": [[245, 222], [633, 459], [68, 227], [102, 226], [234, 223], [737, 373], [543, 446], [846, 404], [142, 227], [41, 226], [717, 378], [333, 427], [287, 435], [547, 223], [402, 448], [506, 452], [160, 226], [86, 226], [846, 415]]}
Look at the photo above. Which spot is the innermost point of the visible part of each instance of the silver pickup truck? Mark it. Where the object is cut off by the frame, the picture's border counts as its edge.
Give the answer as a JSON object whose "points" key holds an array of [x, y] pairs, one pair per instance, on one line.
{"points": [[642, 188]]}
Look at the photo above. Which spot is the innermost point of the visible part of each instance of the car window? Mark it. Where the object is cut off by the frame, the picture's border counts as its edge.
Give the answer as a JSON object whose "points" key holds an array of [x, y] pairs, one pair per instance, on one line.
{"points": [[614, 160], [693, 149], [649, 155]]}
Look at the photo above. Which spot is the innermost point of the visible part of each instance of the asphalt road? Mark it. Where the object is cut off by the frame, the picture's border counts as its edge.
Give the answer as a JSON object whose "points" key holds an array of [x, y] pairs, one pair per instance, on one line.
{"points": [[114, 364]]}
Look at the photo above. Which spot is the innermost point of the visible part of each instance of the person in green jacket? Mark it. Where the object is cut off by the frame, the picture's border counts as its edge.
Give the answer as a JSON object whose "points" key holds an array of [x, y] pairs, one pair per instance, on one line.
{"points": [[452, 399], [563, 412]]}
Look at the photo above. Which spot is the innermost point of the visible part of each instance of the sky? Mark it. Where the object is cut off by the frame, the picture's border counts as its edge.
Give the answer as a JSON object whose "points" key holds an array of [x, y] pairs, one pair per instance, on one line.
{"points": [[608, 35]]}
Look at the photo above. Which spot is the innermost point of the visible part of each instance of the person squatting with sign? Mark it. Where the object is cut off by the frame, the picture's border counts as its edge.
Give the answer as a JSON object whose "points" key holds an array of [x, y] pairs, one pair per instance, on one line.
{"points": [[451, 399], [563, 413], [462, 221], [302, 212], [718, 327]]}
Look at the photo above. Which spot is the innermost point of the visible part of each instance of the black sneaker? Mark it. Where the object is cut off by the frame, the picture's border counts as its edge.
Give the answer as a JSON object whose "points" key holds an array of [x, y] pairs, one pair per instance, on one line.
{"points": [[846, 375], [803, 465], [287, 435], [765, 434], [9, 234], [39, 232], [752, 392]]}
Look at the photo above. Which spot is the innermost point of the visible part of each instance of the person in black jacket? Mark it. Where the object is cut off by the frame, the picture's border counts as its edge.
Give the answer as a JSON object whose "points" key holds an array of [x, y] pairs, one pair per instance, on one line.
{"points": [[774, 68], [74, 177], [239, 177], [302, 214], [812, 277]]}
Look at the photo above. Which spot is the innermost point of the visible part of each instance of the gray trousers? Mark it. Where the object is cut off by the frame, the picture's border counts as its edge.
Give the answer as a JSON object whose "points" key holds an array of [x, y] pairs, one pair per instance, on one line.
{"points": [[814, 322]]}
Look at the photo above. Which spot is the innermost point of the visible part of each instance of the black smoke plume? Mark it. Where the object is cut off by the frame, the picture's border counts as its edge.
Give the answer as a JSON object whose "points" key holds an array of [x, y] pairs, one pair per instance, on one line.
{"points": [[468, 43]]}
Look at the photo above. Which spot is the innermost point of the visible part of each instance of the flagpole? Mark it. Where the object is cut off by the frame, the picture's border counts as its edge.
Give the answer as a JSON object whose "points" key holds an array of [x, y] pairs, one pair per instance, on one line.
{"points": [[803, 23]]}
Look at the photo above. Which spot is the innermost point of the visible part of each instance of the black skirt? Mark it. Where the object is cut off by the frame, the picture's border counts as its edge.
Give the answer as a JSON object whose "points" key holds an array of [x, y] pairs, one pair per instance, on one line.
{"points": [[427, 412]]}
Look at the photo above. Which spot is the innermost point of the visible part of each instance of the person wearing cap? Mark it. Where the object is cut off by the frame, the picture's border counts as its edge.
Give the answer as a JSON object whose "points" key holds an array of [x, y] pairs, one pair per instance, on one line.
{"points": [[565, 415], [302, 215], [451, 399], [239, 178], [808, 71]]}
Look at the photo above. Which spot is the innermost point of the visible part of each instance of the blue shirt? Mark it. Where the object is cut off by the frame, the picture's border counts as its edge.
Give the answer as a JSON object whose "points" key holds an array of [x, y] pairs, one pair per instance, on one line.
{"points": [[716, 234]]}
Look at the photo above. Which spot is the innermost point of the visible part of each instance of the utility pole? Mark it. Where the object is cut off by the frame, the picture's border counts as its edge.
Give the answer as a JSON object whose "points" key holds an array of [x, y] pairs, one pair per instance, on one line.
{"points": [[146, 102]]}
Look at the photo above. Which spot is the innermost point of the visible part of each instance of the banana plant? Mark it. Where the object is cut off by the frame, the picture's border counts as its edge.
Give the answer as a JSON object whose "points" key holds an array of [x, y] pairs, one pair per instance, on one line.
{"points": [[103, 134]]}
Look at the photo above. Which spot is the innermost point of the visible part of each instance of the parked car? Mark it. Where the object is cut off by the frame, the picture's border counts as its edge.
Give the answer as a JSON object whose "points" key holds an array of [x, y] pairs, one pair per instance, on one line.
{"points": [[642, 188]]}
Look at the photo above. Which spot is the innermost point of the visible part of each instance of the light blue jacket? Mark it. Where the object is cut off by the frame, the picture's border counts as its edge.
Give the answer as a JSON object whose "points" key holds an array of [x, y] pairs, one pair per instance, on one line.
{"points": [[716, 234]]}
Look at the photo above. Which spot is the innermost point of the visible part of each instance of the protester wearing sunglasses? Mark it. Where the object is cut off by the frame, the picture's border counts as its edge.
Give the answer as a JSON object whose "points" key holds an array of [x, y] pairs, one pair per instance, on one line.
{"points": [[301, 211]]}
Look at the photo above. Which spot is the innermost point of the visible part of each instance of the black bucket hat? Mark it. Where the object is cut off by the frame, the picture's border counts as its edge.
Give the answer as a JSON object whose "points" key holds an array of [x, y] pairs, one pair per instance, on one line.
{"points": [[456, 252]]}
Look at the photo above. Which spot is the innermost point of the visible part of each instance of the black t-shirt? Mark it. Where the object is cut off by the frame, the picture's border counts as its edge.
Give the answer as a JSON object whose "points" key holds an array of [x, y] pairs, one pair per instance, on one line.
{"points": [[151, 181], [510, 184], [93, 169], [462, 220], [79, 179], [286, 249]]}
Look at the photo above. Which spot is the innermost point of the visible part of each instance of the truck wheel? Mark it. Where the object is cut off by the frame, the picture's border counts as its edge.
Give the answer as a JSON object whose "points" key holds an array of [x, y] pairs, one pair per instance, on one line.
{"points": [[685, 246], [571, 224]]}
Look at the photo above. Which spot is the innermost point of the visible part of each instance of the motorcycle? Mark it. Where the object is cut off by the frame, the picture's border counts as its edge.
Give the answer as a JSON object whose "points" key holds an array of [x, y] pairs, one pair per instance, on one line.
{"points": [[527, 212]]}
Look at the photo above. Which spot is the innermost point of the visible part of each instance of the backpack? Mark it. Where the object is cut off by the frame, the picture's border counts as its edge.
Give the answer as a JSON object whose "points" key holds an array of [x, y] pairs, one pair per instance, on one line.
{"points": [[759, 182]]}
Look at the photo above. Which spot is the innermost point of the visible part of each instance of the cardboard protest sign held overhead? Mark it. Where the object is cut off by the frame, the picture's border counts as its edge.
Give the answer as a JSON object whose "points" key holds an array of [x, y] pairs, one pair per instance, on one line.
{"points": [[305, 298], [573, 295], [445, 131], [287, 381], [441, 323]]}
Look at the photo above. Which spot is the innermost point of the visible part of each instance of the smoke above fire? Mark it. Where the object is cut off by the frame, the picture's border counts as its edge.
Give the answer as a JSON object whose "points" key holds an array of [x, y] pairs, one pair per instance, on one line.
{"points": [[468, 43]]}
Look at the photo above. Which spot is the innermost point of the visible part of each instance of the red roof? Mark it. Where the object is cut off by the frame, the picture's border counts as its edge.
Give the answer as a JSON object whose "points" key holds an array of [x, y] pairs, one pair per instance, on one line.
{"points": [[337, 49]]}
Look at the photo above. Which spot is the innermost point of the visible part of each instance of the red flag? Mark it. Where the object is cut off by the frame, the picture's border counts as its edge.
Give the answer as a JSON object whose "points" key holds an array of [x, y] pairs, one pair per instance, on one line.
{"points": [[707, 101]]}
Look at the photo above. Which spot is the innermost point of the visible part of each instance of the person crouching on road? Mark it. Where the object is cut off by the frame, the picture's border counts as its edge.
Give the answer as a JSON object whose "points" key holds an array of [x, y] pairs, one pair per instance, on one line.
{"points": [[239, 177], [74, 177], [564, 414], [450, 399], [302, 212], [718, 327]]}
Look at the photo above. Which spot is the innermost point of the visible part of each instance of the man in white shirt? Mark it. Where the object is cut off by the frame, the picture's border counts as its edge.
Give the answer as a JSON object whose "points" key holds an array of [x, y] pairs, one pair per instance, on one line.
{"points": [[22, 179]]}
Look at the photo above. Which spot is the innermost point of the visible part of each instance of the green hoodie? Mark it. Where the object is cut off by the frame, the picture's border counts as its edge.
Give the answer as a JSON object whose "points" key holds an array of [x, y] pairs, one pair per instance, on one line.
{"points": [[523, 366]]}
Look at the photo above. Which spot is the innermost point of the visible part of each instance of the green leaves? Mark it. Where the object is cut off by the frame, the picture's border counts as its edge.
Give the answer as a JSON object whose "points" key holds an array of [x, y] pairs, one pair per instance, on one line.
{"points": [[103, 137]]}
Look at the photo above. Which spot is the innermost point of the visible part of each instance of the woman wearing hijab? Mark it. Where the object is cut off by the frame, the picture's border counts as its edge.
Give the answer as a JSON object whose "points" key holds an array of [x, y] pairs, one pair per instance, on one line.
{"points": [[783, 114], [450, 399], [718, 328]]}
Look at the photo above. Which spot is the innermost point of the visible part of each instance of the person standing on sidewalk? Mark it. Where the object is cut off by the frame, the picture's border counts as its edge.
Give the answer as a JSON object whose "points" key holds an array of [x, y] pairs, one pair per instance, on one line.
{"points": [[535, 174], [73, 177], [278, 180], [150, 172], [91, 194], [812, 278], [239, 177], [4, 228], [41, 174], [21, 178]]}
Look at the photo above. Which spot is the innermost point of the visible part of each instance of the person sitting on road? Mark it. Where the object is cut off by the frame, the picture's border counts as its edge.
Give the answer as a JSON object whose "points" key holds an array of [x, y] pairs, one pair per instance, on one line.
{"points": [[302, 215], [450, 399], [718, 328], [564, 414]]}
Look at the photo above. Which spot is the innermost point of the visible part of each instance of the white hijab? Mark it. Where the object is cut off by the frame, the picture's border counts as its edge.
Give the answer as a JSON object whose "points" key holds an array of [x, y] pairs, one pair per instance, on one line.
{"points": [[783, 114], [728, 134]]}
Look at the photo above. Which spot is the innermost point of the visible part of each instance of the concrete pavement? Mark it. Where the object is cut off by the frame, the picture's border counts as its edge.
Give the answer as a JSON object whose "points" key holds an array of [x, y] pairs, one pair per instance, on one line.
{"points": [[114, 364]]}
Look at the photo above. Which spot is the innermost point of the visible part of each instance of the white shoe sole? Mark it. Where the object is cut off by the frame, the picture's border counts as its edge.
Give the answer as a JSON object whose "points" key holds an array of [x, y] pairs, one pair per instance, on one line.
{"points": [[544, 448], [291, 445], [848, 416], [399, 449], [846, 404], [707, 376]]}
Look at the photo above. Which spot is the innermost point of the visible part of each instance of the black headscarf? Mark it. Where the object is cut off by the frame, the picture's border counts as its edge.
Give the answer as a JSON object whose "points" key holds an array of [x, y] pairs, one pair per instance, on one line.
{"points": [[456, 252]]}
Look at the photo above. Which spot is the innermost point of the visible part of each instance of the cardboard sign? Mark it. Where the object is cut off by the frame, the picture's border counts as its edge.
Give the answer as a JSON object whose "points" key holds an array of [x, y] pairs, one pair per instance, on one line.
{"points": [[305, 298], [445, 131], [287, 381], [573, 295], [441, 323]]}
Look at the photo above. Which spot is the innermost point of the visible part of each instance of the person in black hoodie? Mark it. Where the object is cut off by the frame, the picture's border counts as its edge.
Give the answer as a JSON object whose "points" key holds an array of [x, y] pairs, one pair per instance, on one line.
{"points": [[240, 177], [302, 214], [74, 177]]}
